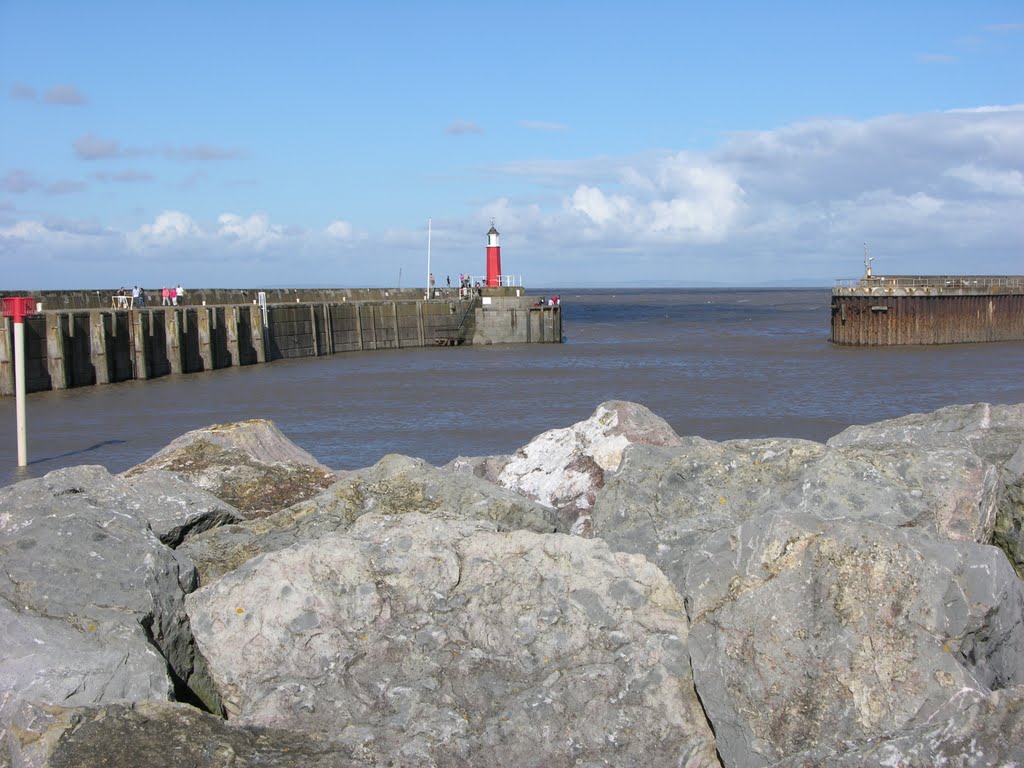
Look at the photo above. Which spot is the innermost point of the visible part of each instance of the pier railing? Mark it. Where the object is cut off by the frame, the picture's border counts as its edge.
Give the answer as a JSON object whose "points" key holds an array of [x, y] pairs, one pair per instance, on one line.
{"points": [[979, 282]]}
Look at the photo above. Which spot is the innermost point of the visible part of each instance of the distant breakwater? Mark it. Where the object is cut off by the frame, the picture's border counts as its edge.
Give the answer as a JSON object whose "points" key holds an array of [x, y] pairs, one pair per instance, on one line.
{"points": [[83, 338]]}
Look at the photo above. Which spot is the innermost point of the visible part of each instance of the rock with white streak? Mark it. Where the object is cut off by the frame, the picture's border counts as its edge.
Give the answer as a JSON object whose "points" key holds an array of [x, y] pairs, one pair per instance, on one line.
{"points": [[565, 468], [419, 640]]}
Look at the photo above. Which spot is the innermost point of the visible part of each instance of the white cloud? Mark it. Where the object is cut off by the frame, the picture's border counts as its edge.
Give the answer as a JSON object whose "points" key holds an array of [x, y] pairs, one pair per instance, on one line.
{"points": [[254, 231], [168, 228], [990, 180], [342, 230], [604, 210]]}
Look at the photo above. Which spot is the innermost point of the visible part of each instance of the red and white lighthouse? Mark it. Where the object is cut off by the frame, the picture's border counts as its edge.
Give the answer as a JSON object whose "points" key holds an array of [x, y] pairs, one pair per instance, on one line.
{"points": [[493, 257]]}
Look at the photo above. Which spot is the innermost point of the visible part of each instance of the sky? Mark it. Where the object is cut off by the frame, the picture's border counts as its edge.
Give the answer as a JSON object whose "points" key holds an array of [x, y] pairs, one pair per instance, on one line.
{"points": [[259, 144]]}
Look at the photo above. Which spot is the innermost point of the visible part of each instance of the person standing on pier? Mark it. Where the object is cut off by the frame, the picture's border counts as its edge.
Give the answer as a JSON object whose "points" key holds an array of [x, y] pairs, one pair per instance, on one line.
{"points": [[179, 293], [165, 297]]}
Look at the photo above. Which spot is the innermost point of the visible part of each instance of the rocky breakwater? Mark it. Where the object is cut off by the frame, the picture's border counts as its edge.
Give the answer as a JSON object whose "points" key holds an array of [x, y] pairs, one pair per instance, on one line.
{"points": [[611, 594]]}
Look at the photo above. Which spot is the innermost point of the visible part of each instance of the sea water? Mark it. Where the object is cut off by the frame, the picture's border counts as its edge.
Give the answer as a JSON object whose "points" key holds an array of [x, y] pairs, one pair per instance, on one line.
{"points": [[720, 364]]}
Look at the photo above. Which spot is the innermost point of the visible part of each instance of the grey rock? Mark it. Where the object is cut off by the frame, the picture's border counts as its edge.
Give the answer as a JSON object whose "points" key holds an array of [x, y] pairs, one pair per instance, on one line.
{"points": [[805, 633], [972, 729], [992, 432], [172, 507], [394, 485], [1008, 532], [155, 734], [485, 467], [89, 593], [664, 501], [430, 640], [250, 465], [950, 458]]}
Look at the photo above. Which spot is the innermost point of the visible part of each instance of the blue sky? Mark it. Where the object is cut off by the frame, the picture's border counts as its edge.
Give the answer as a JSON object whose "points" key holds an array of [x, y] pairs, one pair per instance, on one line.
{"points": [[230, 144]]}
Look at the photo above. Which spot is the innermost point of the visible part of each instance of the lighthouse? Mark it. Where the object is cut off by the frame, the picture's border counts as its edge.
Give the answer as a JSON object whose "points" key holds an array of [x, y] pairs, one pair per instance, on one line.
{"points": [[493, 257]]}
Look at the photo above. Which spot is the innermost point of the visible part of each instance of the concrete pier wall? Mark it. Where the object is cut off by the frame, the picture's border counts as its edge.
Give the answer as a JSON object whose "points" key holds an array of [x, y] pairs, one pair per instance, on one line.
{"points": [[905, 310], [89, 346]]}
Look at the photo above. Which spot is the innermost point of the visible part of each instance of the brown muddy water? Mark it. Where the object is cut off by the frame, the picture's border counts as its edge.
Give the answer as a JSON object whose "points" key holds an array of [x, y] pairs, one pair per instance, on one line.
{"points": [[720, 364]]}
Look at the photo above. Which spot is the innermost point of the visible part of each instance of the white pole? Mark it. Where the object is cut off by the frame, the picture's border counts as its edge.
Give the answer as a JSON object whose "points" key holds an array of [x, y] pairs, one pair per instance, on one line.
{"points": [[428, 260], [19, 389]]}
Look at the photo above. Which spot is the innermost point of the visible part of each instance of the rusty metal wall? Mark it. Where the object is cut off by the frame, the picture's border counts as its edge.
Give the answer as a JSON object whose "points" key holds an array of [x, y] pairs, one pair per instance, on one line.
{"points": [[879, 321]]}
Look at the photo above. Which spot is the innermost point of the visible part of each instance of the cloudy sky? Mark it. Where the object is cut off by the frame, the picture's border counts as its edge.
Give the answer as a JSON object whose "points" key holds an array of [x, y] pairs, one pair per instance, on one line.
{"points": [[230, 144]]}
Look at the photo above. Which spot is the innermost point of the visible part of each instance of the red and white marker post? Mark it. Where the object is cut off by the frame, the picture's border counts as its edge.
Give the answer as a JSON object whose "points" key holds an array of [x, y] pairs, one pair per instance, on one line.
{"points": [[17, 307]]}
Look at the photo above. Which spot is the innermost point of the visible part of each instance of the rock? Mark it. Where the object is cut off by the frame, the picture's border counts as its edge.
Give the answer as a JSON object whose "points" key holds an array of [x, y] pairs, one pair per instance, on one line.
{"points": [[249, 464], [1008, 532], [936, 472], [172, 507], [806, 634], [951, 457], [565, 468], [92, 600], [992, 432], [426, 640], [395, 485], [155, 734], [664, 501], [972, 729], [485, 467]]}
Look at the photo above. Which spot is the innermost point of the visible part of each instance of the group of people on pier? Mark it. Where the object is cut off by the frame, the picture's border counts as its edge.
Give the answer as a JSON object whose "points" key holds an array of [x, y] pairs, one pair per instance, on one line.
{"points": [[137, 298]]}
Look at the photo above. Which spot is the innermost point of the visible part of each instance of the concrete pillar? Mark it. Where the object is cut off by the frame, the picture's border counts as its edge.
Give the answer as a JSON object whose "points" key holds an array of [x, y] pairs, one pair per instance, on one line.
{"points": [[398, 338], [328, 330], [419, 323], [231, 331], [172, 332], [98, 347], [373, 326], [6, 359], [140, 320], [55, 350], [256, 323], [359, 325], [203, 327], [315, 330]]}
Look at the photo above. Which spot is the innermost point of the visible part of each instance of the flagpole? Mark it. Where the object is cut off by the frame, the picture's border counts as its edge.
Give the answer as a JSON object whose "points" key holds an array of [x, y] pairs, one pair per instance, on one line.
{"points": [[428, 260]]}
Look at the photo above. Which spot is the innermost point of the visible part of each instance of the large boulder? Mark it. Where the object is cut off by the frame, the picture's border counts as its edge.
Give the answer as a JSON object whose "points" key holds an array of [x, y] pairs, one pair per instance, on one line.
{"points": [[946, 473], [565, 468], [992, 432], [425, 640], [92, 600], [806, 634], [664, 501], [394, 485], [249, 464], [172, 507], [950, 458]]}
